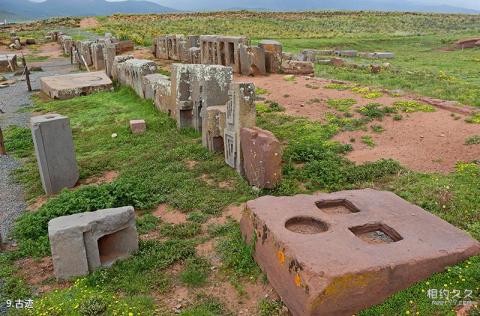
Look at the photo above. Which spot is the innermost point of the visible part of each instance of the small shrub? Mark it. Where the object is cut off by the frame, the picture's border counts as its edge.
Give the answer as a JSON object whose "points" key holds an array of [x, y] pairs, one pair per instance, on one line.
{"points": [[196, 272], [93, 306], [337, 86], [341, 105], [260, 91], [367, 140], [377, 129], [473, 140], [372, 111], [474, 119], [413, 106], [397, 117]]}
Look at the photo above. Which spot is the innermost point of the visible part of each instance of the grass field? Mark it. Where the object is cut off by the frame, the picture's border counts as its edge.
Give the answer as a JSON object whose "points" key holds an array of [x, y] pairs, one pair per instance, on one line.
{"points": [[153, 169], [168, 166], [420, 41]]}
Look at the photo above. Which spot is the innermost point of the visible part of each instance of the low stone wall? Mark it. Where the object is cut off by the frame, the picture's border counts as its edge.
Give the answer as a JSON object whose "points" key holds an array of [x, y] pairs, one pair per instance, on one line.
{"points": [[131, 73]]}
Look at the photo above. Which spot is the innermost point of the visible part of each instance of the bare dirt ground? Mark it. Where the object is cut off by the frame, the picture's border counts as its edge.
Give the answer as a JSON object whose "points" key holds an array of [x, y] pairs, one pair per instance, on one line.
{"points": [[89, 23], [426, 142]]}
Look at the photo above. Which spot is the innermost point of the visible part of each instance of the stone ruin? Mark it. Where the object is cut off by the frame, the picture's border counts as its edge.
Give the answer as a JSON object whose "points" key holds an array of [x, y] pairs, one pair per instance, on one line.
{"points": [[82, 243], [53, 142], [17, 43], [339, 253], [230, 51], [73, 85], [205, 98], [8, 63]]}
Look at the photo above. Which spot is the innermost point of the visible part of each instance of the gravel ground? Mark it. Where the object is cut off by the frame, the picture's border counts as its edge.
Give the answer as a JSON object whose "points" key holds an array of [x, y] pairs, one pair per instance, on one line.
{"points": [[14, 102]]}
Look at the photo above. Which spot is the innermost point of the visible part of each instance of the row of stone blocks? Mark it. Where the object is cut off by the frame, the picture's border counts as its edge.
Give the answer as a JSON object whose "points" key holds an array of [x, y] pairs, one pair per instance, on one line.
{"points": [[232, 51], [204, 97]]}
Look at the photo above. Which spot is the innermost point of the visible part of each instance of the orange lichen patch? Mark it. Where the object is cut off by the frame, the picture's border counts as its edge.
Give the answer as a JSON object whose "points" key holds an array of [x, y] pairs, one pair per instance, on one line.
{"points": [[281, 256], [169, 215], [298, 280]]}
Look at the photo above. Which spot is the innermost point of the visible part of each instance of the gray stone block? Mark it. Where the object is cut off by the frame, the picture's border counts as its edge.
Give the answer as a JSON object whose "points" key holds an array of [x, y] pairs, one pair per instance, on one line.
{"points": [[55, 152], [82, 243]]}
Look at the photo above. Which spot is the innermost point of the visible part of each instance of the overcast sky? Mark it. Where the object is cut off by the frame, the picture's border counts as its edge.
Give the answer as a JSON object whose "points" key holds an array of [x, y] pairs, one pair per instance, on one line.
{"points": [[188, 4]]}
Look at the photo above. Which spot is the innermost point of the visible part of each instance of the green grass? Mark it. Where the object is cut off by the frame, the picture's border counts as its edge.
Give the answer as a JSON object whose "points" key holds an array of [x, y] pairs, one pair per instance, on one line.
{"points": [[153, 170], [342, 105], [473, 140], [474, 118], [367, 140]]}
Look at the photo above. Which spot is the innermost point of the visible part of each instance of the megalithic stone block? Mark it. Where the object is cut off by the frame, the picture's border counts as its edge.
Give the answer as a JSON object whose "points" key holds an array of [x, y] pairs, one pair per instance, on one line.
{"points": [[339, 253], [240, 113], [273, 55], [82, 243], [262, 157], [52, 137]]}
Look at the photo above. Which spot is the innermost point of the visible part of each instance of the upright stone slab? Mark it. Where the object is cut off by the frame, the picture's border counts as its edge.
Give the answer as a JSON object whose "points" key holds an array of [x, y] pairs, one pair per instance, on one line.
{"points": [[131, 72], [82, 243], [150, 84], [241, 113], [252, 60], [213, 129], [195, 87], [194, 55], [98, 58], [109, 53], [161, 47], [339, 253], [8, 62], [55, 152], [86, 51], [273, 55], [262, 157], [67, 44], [163, 97], [124, 46]]}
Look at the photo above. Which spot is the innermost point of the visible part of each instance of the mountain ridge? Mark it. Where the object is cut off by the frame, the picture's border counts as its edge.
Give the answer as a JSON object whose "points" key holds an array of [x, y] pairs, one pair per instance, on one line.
{"points": [[52, 8]]}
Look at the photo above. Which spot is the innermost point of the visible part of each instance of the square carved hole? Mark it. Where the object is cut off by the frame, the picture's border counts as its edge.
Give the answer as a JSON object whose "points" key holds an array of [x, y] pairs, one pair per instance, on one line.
{"points": [[339, 206], [113, 247], [377, 233]]}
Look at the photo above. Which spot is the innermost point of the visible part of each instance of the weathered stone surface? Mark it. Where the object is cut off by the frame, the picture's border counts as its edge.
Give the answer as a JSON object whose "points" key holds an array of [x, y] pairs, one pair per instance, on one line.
{"points": [[131, 71], [377, 55], [138, 126], [346, 53], [296, 67], [109, 53], [240, 113], [74, 85], [252, 60], [163, 97], [82, 243], [213, 129], [194, 55], [98, 59], [336, 254], [124, 46], [195, 87], [84, 48], [273, 55], [467, 43], [150, 83], [262, 157], [313, 55], [221, 50], [8, 62], [52, 138], [117, 60], [67, 44]]}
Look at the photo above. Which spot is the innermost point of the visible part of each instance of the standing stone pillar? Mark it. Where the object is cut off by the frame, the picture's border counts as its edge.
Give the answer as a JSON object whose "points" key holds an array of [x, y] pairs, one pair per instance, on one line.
{"points": [[109, 53], [241, 113], [52, 137], [273, 55]]}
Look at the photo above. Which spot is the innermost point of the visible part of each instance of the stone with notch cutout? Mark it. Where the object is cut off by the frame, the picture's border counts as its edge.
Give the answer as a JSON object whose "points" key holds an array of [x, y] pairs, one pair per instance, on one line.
{"points": [[338, 253]]}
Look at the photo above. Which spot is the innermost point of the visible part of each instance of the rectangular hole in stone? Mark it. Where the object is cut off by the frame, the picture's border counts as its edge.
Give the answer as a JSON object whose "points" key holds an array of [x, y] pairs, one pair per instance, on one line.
{"points": [[377, 233], [339, 206], [112, 247]]}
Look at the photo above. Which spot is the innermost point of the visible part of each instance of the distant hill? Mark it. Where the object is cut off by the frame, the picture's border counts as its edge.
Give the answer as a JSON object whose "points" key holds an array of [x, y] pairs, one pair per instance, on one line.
{"points": [[4, 15], [302, 5], [51, 8]]}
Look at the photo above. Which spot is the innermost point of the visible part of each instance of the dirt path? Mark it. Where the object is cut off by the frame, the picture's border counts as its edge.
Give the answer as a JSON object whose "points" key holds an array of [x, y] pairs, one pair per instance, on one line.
{"points": [[89, 23], [426, 142], [13, 102]]}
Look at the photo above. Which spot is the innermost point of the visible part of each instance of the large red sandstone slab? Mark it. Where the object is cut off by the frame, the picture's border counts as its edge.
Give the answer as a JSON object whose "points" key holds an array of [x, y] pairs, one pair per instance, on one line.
{"points": [[74, 85], [336, 254], [262, 157]]}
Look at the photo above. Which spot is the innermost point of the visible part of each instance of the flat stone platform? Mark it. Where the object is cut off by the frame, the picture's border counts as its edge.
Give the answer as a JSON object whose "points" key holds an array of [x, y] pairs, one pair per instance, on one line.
{"points": [[73, 85], [336, 254]]}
